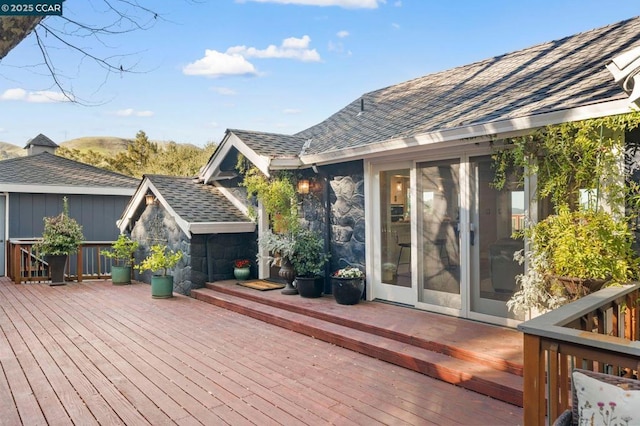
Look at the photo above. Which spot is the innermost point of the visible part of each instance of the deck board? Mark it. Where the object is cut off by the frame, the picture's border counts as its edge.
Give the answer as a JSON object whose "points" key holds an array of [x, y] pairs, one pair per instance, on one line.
{"points": [[94, 353]]}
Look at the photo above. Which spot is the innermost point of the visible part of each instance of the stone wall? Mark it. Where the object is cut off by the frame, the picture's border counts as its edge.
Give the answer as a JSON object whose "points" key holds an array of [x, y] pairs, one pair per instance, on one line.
{"points": [[155, 226], [347, 221]]}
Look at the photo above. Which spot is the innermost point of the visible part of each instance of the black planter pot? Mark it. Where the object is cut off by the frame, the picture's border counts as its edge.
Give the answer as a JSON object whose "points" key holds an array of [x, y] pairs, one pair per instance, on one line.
{"points": [[347, 291], [57, 264], [310, 287]]}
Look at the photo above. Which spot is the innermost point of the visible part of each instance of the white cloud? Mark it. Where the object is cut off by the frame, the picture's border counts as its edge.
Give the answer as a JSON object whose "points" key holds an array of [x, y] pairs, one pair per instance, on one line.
{"points": [[343, 34], [43, 96], [216, 64], [225, 91], [396, 26], [291, 48], [130, 112], [397, 3], [347, 4], [234, 60], [291, 111]]}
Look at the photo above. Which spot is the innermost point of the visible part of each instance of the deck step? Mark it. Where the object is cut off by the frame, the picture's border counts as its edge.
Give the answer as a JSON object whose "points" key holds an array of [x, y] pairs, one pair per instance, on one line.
{"points": [[467, 373]]}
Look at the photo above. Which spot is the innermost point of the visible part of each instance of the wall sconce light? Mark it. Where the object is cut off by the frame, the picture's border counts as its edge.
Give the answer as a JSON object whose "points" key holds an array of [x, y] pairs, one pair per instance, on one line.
{"points": [[150, 199], [303, 186], [399, 186]]}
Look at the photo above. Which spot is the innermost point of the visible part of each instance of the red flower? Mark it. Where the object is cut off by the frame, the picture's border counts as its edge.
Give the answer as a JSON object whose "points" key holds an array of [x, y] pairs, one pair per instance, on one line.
{"points": [[241, 263]]}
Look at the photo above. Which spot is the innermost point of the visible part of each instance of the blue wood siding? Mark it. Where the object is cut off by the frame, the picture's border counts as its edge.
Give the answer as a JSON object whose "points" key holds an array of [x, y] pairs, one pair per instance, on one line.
{"points": [[96, 213]]}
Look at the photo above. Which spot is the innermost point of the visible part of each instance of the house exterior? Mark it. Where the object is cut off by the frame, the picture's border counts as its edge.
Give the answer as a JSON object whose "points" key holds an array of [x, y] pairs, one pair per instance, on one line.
{"points": [[33, 187], [402, 176], [200, 220]]}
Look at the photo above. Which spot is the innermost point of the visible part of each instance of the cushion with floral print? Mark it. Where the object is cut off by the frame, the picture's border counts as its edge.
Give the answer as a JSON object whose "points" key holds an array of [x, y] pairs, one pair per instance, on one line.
{"points": [[601, 403]]}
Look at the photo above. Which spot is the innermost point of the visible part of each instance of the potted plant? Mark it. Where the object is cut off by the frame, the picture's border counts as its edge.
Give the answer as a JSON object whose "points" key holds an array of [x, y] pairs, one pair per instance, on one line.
{"points": [[121, 254], [573, 253], [241, 269], [347, 285], [161, 259], [308, 261], [280, 247], [62, 236]]}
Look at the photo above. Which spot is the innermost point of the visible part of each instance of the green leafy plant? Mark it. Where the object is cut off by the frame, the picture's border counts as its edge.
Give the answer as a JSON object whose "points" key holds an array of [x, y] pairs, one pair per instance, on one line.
{"points": [[122, 250], [573, 247], [580, 242], [280, 246], [277, 195], [161, 258], [309, 257], [62, 234]]}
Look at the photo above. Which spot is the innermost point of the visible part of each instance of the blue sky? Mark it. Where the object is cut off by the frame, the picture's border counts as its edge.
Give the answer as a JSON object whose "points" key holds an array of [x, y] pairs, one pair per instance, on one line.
{"points": [[267, 65]]}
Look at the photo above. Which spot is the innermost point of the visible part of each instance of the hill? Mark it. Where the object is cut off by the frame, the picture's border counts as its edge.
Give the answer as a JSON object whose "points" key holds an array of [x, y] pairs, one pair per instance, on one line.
{"points": [[104, 145], [9, 150]]}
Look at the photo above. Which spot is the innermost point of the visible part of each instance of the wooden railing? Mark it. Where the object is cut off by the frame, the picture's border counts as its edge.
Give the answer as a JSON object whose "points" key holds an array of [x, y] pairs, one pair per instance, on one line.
{"points": [[598, 332], [25, 265]]}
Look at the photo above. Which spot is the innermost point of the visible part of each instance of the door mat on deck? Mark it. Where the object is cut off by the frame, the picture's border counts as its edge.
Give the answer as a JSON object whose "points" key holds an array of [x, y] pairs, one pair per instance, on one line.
{"points": [[261, 285]]}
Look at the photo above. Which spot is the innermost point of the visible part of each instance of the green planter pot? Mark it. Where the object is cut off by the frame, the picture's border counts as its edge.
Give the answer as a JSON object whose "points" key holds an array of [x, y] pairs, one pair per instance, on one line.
{"points": [[121, 275], [241, 274], [162, 286]]}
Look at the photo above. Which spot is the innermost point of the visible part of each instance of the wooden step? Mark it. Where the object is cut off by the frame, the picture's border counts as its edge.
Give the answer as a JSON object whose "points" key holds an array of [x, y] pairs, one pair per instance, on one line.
{"points": [[501, 385]]}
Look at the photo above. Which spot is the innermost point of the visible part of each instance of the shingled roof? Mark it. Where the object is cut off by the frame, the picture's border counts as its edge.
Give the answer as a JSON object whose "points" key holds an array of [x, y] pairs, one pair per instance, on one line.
{"points": [[41, 171], [272, 145], [41, 140], [557, 75], [195, 202], [196, 207]]}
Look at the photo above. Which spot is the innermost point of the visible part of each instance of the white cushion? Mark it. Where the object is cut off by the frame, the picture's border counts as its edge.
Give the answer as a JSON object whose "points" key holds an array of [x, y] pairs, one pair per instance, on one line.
{"points": [[601, 403]]}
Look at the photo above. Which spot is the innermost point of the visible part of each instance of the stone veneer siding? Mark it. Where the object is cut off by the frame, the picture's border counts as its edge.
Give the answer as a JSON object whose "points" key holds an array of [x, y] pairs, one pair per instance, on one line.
{"points": [[347, 221]]}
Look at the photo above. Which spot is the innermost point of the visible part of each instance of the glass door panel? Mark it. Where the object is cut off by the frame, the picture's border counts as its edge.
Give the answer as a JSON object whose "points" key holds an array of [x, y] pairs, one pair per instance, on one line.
{"points": [[438, 202], [494, 216], [395, 229]]}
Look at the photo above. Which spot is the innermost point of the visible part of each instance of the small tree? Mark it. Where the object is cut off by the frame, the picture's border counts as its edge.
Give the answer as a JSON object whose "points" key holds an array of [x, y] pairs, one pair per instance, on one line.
{"points": [[62, 234]]}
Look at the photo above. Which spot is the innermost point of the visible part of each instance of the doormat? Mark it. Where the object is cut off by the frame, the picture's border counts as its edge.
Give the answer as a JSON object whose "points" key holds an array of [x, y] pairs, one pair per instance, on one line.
{"points": [[261, 285]]}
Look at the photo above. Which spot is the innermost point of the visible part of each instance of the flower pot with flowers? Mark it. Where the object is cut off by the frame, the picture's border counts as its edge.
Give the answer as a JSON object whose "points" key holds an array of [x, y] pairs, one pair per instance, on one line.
{"points": [[241, 269], [61, 237], [161, 259], [347, 285]]}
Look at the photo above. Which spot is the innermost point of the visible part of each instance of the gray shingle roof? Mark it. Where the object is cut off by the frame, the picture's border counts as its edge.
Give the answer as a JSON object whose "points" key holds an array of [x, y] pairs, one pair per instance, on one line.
{"points": [[41, 140], [195, 202], [552, 76], [271, 145], [47, 169]]}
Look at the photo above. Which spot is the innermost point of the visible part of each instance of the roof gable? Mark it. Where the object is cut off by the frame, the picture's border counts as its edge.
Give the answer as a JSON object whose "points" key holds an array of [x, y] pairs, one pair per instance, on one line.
{"points": [[41, 140]]}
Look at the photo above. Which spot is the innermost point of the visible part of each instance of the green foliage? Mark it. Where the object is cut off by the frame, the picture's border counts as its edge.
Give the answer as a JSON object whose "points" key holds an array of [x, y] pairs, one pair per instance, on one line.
{"points": [[278, 245], [277, 195], [570, 156], [142, 156], [122, 250], [160, 258], [62, 234], [586, 244], [308, 257]]}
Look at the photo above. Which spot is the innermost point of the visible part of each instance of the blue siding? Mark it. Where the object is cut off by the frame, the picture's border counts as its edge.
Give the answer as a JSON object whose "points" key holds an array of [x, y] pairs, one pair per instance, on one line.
{"points": [[96, 213]]}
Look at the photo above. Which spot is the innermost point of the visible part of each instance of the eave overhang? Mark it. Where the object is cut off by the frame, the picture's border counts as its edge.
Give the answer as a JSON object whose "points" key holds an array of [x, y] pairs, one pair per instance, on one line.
{"points": [[471, 133], [70, 190]]}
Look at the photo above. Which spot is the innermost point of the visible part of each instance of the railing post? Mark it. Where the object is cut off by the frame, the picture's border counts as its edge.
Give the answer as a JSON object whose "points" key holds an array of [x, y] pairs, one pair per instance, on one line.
{"points": [[79, 263], [534, 381], [17, 258]]}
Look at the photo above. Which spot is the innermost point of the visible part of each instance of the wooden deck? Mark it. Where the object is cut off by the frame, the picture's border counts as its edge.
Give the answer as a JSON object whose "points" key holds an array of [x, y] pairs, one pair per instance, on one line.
{"points": [[94, 353]]}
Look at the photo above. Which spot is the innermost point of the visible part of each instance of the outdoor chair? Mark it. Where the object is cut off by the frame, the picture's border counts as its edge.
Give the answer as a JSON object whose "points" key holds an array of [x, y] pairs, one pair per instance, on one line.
{"points": [[612, 385]]}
